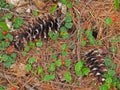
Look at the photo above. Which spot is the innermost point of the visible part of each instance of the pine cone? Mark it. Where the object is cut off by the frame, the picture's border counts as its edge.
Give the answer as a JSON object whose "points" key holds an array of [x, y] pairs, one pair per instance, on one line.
{"points": [[95, 61]]}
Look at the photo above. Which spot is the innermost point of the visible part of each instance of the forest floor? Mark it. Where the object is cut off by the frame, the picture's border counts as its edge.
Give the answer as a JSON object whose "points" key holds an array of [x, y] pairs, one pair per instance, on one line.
{"points": [[36, 68]]}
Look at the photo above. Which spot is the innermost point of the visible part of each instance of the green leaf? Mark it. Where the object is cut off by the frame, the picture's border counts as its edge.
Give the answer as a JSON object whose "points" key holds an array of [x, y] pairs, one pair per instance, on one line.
{"points": [[50, 33], [2, 47], [4, 57], [78, 67], [40, 70], [108, 80], [65, 36], [31, 60], [4, 44], [116, 4], [113, 39], [49, 77], [11, 60], [64, 46], [68, 18], [53, 36], [85, 71], [68, 25], [18, 23], [28, 67], [88, 33], [64, 33], [63, 29], [83, 43], [27, 48], [118, 38], [113, 49], [108, 62], [8, 64], [53, 8], [9, 16], [24, 54], [54, 56], [2, 19], [118, 86], [64, 53], [59, 62], [106, 75], [52, 67], [4, 26], [90, 37], [13, 55], [63, 1], [67, 76], [114, 81], [9, 36], [39, 43], [108, 21], [92, 40], [32, 44], [113, 66], [69, 4], [1, 88], [35, 13], [99, 42], [104, 87], [111, 72], [67, 63]]}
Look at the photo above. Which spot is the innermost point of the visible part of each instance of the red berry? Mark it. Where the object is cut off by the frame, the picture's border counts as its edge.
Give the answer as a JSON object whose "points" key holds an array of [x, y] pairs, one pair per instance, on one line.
{"points": [[14, 88], [67, 49], [85, 38], [35, 40], [63, 62], [4, 33], [113, 19]]}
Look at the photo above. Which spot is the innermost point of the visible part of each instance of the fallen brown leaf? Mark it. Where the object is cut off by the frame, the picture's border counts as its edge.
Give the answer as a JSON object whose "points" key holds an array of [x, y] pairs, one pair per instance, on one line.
{"points": [[19, 69], [10, 49], [39, 4]]}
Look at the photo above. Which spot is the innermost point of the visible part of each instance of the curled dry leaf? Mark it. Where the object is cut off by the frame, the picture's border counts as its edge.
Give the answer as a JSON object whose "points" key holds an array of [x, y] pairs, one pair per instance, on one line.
{"points": [[10, 49]]}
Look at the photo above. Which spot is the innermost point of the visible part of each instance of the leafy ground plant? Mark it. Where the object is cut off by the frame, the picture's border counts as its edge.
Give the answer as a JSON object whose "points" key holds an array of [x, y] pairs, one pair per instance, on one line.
{"points": [[116, 4], [53, 36], [90, 37], [1, 88], [80, 69], [30, 62], [18, 23], [49, 77], [8, 59], [111, 80], [67, 76]]}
